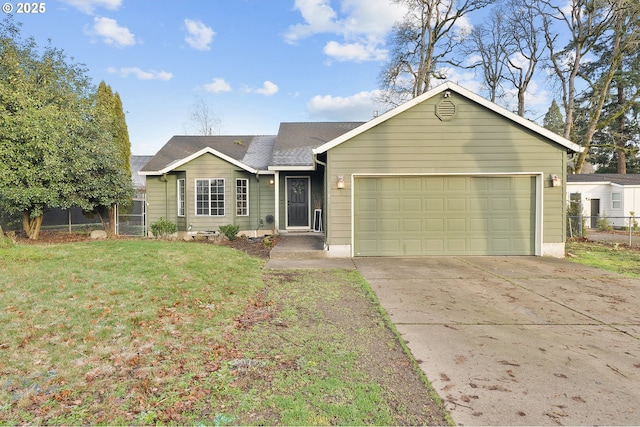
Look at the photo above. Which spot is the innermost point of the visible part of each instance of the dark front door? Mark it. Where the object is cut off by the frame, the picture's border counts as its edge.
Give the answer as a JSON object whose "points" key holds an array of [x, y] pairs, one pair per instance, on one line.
{"points": [[297, 202], [595, 212]]}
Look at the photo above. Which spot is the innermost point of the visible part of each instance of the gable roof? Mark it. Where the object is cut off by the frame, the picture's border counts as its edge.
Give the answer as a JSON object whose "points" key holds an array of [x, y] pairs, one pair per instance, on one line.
{"points": [[604, 178], [295, 141], [247, 152], [291, 148], [449, 86]]}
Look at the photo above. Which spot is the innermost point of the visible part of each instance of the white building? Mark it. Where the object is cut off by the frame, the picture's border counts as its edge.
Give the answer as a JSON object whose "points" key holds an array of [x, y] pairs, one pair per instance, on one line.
{"points": [[613, 196]]}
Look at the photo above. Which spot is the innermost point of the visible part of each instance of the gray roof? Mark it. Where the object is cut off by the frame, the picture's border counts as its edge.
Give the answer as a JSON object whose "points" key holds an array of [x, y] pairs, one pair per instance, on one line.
{"points": [[616, 178], [137, 163], [180, 147], [296, 140], [291, 147]]}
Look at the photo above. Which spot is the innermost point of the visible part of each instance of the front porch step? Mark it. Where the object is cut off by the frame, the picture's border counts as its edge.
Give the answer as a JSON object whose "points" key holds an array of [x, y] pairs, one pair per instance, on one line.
{"points": [[299, 246], [312, 254]]}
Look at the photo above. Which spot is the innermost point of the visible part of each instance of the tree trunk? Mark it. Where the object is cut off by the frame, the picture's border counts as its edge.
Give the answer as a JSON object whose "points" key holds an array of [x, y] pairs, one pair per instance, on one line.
{"points": [[31, 225], [622, 157], [112, 221]]}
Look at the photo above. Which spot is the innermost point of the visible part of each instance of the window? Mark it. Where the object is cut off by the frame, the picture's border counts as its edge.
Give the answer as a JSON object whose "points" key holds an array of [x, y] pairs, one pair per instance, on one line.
{"points": [[616, 200], [210, 197], [181, 198], [242, 197]]}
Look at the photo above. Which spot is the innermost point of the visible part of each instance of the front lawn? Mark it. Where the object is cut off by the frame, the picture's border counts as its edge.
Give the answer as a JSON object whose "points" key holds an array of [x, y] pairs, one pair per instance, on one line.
{"points": [[608, 256], [143, 332]]}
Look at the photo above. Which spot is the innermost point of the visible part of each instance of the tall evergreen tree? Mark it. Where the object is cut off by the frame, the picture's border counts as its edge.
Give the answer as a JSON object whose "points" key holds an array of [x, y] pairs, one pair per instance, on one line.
{"points": [[109, 112], [553, 119]]}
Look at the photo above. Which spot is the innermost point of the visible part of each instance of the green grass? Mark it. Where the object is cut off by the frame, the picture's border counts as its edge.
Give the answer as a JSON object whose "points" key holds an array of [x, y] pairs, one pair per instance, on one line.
{"points": [[146, 332], [610, 257], [116, 332]]}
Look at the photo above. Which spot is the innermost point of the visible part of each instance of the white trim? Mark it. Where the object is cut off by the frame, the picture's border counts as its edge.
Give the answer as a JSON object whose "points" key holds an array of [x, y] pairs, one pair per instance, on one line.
{"points": [[292, 168], [538, 244], [209, 150], [286, 203], [461, 91], [184, 195], [247, 195]]}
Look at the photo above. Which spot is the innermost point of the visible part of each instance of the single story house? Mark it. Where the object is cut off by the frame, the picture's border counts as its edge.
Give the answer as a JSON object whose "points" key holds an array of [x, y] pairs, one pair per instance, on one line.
{"points": [[447, 173], [614, 196]]}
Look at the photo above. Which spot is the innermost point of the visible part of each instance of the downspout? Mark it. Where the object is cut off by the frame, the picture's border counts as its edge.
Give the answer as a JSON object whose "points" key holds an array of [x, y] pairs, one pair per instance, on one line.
{"points": [[259, 199]]}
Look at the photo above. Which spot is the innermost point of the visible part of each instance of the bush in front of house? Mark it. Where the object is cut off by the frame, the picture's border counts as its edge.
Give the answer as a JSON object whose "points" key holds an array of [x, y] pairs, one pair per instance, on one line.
{"points": [[230, 231], [163, 228]]}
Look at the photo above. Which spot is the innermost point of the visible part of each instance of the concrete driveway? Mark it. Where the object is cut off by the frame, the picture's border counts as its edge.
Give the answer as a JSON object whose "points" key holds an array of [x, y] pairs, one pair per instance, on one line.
{"points": [[518, 340]]}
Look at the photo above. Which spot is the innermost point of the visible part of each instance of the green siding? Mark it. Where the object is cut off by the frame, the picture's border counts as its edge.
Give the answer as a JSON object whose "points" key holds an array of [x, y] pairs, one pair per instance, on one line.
{"points": [[162, 196], [415, 141]]}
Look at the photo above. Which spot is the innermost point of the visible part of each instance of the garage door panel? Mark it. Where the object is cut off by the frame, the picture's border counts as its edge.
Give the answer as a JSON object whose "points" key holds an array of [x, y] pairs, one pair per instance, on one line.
{"points": [[456, 224], [389, 225], [435, 224], [435, 205], [444, 215], [413, 225]]}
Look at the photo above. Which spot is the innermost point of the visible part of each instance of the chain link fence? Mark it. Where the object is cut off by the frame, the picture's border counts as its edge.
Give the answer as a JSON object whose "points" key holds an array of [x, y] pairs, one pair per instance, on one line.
{"points": [[616, 229], [130, 220]]}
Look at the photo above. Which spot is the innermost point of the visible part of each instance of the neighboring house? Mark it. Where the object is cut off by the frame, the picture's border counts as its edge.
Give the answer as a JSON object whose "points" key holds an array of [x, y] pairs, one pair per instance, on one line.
{"points": [[447, 173], [613, 196], [137, 163]]}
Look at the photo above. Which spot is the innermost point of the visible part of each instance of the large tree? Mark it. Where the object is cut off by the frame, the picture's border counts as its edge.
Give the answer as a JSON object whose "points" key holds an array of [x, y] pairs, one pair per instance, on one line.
{"points": [[109, 112], [422, 44], [612, 79], [51, 150], [486, 49]]}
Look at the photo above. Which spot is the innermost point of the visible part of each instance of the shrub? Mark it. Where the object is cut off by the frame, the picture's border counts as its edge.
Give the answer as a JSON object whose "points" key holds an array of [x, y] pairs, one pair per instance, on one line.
{"points": [[163, 228], [230, 231], [604, 224]]}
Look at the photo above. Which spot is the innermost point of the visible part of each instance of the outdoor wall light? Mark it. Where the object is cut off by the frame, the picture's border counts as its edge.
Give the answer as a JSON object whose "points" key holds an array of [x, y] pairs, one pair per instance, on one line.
{"points": [[556, 181], [271, 181], [340, 183]]}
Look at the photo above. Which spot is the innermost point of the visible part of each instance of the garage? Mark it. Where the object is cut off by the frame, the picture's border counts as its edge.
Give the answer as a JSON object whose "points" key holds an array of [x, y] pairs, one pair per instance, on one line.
{"points": [[444, 215]]}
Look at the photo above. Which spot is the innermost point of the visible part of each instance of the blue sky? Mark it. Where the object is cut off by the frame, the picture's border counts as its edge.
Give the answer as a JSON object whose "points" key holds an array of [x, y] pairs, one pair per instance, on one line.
{"points": [[254, 63]]}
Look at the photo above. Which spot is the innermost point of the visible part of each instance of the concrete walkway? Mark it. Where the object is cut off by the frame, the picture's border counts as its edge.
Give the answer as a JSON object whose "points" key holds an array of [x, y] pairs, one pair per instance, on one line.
{"points": [[518, 340], [305, 251]]}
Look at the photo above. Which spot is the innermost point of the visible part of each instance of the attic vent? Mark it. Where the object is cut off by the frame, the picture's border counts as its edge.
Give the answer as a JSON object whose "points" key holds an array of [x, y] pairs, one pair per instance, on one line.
{"points": [[445, 110]]}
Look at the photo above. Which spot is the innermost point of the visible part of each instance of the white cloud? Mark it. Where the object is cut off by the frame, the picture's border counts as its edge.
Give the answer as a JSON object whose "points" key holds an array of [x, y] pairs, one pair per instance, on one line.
{"points": [[218, 85], [319, 17], [199, 36], [363, 25], [88, 6], [268, 88], [112, 33], [141, 74], [358, 107], [354, 52]]}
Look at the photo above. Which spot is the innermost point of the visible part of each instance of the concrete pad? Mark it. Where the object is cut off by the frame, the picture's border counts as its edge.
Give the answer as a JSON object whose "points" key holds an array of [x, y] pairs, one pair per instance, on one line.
{"points": [[530, 375], [413, 267], [518, 340]]}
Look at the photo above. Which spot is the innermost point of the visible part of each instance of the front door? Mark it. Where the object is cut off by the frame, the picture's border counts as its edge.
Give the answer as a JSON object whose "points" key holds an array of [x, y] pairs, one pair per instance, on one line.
{"points": [[297, 202], [595, 212]]}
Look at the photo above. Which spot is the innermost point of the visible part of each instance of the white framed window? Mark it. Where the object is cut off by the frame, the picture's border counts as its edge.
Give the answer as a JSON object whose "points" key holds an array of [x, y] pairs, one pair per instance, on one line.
{"points": [[210, 197], [181, 197], [616, 200], [242, 197]]}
